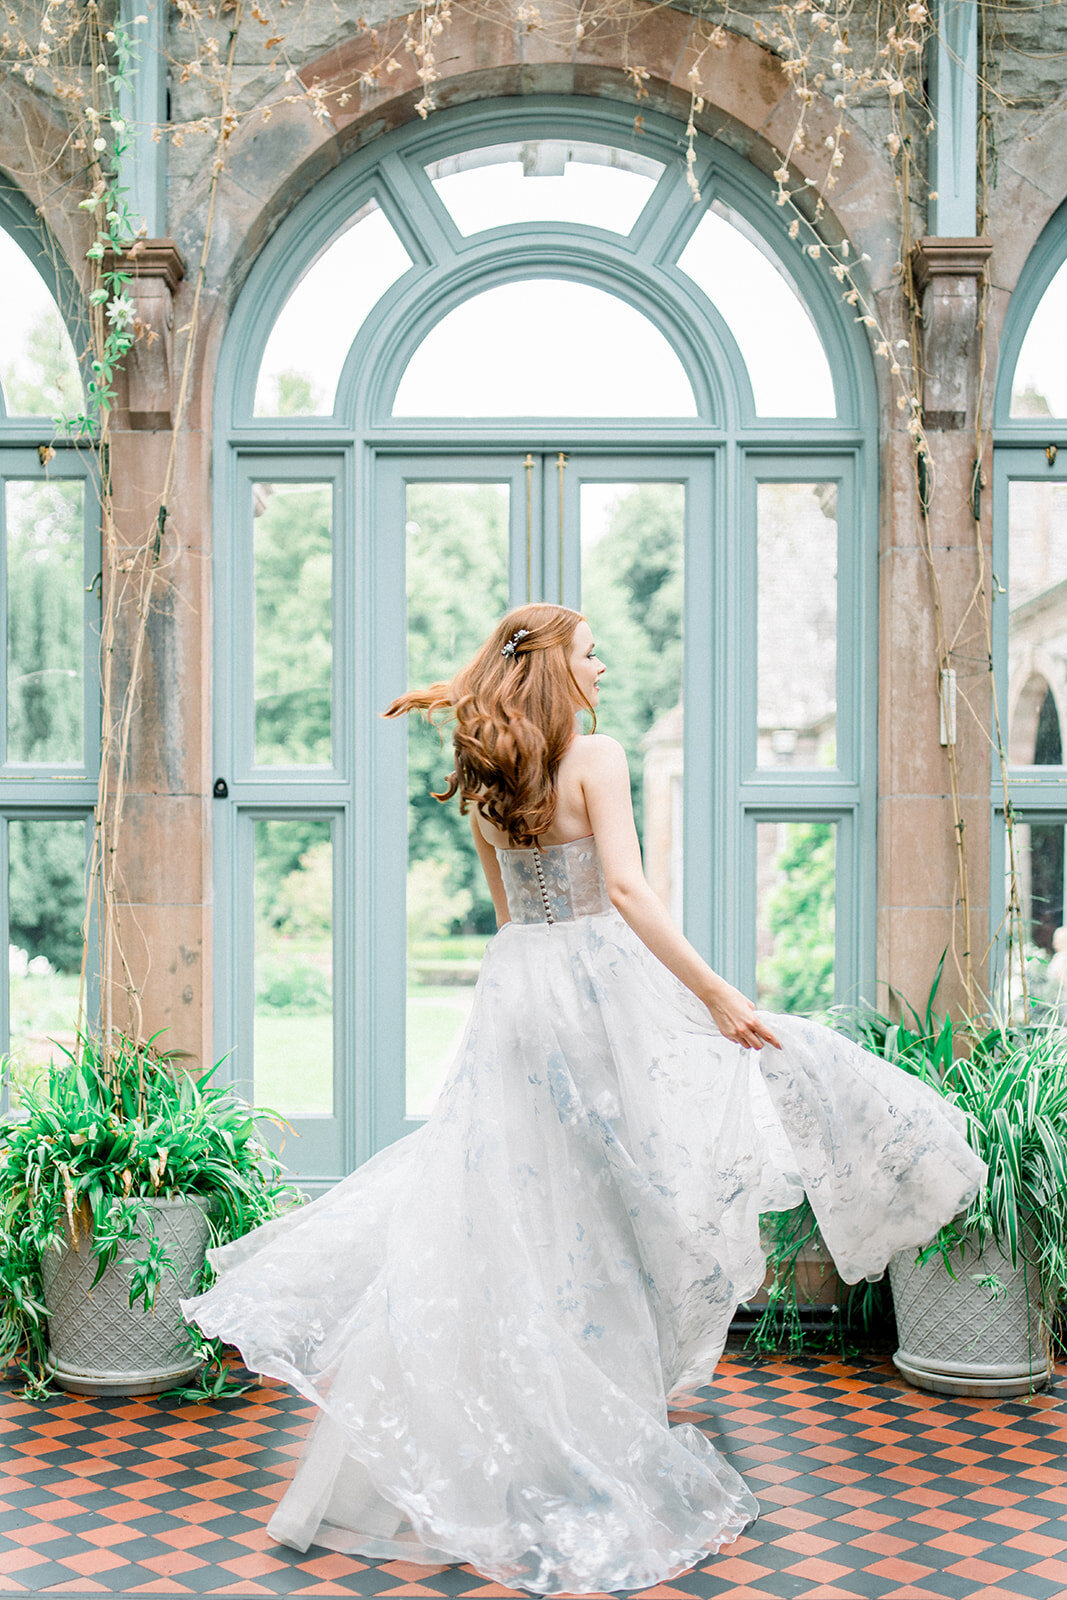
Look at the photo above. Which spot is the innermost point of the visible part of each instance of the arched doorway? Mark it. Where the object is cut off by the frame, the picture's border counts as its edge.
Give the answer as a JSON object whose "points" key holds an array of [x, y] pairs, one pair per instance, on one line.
{"points": [[503, 355]]}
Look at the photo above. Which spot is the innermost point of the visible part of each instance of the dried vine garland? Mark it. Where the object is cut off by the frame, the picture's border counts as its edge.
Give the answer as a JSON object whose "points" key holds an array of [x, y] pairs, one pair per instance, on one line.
{"points": [[76, 57]]}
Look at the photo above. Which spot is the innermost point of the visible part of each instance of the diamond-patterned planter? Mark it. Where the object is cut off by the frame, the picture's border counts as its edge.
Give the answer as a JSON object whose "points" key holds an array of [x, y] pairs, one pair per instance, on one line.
{"points": [[965, 1335], [98, 1344]]}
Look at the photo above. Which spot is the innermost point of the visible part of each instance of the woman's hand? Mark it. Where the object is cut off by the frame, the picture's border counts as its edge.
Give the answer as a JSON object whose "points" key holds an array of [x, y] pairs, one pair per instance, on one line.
{"points": [[736, 1019]]}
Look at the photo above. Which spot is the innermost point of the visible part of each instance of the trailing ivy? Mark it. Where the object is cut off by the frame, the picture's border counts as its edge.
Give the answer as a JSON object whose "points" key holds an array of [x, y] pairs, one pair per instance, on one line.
{"points": [[861, 1317]]}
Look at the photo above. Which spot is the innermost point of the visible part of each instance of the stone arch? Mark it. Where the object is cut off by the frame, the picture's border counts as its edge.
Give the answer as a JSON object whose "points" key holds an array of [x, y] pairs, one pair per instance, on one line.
{"points": [[44, 188], [1031, 186], [750, 105], [1036, 714]]}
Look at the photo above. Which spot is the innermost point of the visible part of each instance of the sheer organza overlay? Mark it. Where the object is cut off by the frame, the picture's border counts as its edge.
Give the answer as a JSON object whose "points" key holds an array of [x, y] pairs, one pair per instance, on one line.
{"points": [[493, 1312]]}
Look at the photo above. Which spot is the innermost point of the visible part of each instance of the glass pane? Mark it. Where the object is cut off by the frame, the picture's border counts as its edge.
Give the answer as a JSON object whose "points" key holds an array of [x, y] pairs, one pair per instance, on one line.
{"points": [[796, 564], [779, 344], [1037, 623], [38, 371], [46, 886], [633, 582], [545, 180], [45, 621], [293, 627], [1039, 388], [315, 328], [293, 965], [457, 586], [545, 347], [795, 915], [1040, 858]]}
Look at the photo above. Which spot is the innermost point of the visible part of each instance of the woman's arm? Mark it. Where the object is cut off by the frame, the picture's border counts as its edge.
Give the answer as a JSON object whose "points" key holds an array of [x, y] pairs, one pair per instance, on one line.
{"points": [[605, 782], [491, 868]]}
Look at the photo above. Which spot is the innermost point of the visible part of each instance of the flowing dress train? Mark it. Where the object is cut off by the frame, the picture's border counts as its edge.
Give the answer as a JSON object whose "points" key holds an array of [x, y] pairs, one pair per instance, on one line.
{"points": [[493, 1313]]}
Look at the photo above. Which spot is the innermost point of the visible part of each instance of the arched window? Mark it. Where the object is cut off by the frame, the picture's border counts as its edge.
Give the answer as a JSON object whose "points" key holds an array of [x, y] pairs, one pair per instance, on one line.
{"points": [[504, 355], [1030, 607], [49, 703]]}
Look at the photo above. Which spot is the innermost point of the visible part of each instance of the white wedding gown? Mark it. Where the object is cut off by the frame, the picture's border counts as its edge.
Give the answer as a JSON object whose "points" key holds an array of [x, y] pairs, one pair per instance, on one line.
{"points": [[493, 1312]]}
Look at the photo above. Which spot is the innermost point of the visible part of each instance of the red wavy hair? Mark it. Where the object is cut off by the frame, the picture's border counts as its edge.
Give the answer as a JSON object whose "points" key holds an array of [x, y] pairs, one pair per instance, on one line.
{"points": [[514, 717]]}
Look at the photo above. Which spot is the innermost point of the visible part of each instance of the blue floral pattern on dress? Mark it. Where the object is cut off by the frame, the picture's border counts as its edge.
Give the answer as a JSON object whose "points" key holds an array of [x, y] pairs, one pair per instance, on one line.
{"points": [[493, 1313]]}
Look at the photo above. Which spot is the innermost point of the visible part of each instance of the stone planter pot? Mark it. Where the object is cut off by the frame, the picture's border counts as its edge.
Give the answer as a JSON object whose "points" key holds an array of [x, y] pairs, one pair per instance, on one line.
{"points": [[962, 1336], [97, 1343]]}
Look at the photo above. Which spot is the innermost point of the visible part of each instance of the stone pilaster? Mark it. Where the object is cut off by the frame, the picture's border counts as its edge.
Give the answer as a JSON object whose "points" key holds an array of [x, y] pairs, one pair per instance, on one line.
{"points": [[160, 491], [919, 872]]}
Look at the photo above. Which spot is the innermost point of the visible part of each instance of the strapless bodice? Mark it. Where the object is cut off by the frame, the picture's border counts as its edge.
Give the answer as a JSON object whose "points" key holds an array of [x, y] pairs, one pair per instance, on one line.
{"points": [[554, 882]]}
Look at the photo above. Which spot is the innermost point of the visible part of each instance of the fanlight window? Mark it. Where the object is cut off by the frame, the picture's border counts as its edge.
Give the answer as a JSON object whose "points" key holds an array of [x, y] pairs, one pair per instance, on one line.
{"points": [[1039, 388], [38, 369], [544, 347], [545, 180], [787, 365], [309, 341]]}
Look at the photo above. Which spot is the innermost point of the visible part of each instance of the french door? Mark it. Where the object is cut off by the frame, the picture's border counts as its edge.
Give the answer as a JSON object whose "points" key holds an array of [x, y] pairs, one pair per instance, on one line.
{"points": [[627, 539], [727, 599]]}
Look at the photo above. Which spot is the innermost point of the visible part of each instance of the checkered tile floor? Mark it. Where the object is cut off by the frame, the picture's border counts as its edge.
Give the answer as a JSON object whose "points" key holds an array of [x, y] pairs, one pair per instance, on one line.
{"points": [[868, 1488]]}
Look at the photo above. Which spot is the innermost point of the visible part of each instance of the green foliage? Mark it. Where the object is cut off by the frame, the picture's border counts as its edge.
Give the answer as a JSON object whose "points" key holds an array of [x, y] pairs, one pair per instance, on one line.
{"points": [[282, 846], [293, 584], [799, 976], [295, 396], [1011, 1084], [433, 907], [47, 382], [632, 591], [303, 904], [864, 1310], [108, 1131], [457, 542], [46, 888], [45, 679], [290, 984]]}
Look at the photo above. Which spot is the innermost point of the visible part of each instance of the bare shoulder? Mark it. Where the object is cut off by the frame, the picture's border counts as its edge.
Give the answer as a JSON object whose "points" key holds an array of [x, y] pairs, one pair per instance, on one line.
{"points": [[593, 753]]}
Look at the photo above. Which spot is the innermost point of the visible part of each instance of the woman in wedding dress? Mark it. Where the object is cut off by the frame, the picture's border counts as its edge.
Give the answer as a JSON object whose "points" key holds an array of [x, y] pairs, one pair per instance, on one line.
{"points": [[493, 1313]]}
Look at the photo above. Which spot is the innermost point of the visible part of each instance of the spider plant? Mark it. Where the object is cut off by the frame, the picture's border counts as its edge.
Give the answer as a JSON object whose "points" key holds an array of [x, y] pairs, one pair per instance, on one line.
{"points": [[1011, 1084], [108, 1130]]}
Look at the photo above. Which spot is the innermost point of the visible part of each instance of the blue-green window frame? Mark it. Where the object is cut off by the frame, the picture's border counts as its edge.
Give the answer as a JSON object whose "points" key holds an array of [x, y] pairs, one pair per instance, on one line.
{"points": [[56, 791], [446, 268]]}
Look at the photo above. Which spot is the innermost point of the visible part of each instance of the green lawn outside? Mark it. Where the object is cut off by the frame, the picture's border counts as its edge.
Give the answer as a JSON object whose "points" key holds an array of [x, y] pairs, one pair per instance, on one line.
{"points": [[294, 1062], [293, 1052], [44, 1015]]}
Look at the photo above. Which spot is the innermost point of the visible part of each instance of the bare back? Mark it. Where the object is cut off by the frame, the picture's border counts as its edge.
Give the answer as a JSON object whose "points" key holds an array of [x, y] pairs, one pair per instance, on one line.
{"points": [[572, 820]]}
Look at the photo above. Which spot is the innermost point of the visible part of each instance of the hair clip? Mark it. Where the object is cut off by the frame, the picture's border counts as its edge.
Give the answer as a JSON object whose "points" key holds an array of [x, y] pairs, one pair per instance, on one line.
{"points": [[509, 648]]}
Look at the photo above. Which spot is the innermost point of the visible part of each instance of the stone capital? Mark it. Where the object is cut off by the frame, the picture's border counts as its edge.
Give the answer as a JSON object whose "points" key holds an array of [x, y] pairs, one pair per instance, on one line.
{"points": [[145, 393], [934, 258], [156, 258]]}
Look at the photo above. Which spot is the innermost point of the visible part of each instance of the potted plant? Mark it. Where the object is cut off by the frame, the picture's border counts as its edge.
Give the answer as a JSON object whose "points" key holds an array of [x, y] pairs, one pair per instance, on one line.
{"points": [[114, 1177], [975, 1308]]}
